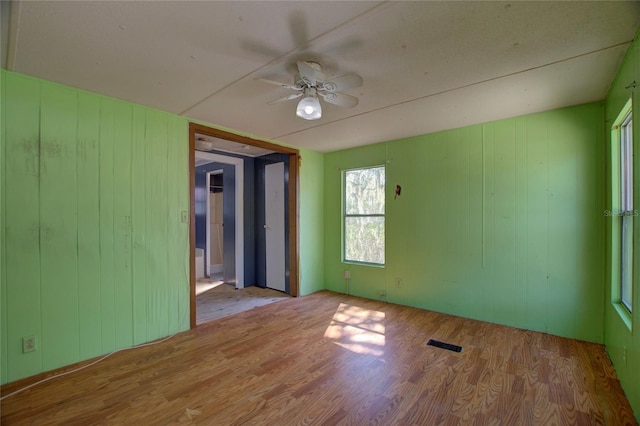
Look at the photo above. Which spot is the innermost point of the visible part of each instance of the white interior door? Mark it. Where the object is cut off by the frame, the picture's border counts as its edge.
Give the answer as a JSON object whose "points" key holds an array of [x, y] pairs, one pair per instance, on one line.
{"points": [[274, 225]]}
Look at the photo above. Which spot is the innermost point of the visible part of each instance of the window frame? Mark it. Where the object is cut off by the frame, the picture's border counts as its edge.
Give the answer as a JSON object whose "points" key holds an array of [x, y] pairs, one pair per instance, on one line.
{"points": [[346, 215], [626, 212], [622, 214]]}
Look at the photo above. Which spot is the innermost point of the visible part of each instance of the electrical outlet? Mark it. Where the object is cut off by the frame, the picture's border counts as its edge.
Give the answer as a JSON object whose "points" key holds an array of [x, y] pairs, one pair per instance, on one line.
{"points": [[184, 216], [398, 282], [382, 293], [347, 274], [28, 344]]}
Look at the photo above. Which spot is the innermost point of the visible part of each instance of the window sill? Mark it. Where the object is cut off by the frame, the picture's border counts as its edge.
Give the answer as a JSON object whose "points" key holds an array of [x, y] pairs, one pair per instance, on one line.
{"points": [[354, 262], [624, 314]]}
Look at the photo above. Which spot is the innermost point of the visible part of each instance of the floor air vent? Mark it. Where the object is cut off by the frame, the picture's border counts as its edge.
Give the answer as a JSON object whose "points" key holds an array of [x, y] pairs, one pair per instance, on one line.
{"points": [[447, 346]]}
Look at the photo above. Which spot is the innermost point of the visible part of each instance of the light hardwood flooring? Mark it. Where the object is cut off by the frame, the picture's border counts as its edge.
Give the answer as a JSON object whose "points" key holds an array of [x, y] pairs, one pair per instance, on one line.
{"points": [[329, 359], [215, 299]]}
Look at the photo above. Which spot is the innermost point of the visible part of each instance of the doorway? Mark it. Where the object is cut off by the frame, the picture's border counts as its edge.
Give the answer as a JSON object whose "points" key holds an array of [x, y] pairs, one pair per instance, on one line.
{"points": [[215, 224], [274, 219], [291, 221], [233, 199]]}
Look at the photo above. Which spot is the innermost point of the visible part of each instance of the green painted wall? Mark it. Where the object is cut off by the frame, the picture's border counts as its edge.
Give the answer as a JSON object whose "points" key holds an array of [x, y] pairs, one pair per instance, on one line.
{"points": [[500, 222], [94, 255], [92, 194], [311, 221], [617, 334]]}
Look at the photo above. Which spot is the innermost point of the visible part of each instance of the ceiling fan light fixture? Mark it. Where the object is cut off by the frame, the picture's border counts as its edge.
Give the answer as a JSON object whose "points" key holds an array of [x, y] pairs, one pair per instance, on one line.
{"points": [[309, 108], [203, 144]]}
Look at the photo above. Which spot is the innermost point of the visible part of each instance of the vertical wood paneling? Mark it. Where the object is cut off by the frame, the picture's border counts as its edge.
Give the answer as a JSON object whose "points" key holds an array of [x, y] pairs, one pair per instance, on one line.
{"points": [[22, 218], [183, 247], [92, 194], [590, 234], [58, 227], [123, 291], [138, 221], [474, 293], [402, 211], [504, 220], [431, 293], [463, 245], [156, 224], [537, 230], [497, 231], [488, 212], [453, 212], [521, 222], [106, 224], [88, 199], [564, 220], [174, 279], [3, 247]]}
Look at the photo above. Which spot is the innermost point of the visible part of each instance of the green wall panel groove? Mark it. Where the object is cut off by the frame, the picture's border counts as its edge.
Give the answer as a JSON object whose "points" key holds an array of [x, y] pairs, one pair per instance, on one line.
{"points": [[22, 223], [88, 199], [58, 226]]}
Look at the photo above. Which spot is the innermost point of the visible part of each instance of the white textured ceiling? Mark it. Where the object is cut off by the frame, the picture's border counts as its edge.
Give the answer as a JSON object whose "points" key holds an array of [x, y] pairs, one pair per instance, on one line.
{"points": [[427, 65]]}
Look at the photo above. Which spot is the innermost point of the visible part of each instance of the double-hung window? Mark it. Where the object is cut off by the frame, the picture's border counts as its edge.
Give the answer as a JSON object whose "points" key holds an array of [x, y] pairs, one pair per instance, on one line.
{"points": [[626, 210], [624, 213], [363, 215]]}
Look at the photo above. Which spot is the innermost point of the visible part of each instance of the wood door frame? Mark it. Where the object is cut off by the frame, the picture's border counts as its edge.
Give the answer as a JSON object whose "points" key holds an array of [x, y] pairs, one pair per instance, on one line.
{"points": [[293, 190]]}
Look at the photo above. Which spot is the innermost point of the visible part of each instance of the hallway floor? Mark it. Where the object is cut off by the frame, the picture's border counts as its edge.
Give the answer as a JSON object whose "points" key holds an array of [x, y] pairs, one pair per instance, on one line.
{"points": [[215, 299]]}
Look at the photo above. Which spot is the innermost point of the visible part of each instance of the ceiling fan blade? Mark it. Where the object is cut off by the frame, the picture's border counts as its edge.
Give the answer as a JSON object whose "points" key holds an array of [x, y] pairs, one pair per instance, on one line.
{"points": [[340, 99], [286, 98], [307, 72], [348, 81], [277, 83], [298, 28]]}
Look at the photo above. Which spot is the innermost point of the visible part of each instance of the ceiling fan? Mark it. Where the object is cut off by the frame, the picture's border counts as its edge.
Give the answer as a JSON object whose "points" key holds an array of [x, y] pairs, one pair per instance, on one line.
{"points": [[310, 83]]}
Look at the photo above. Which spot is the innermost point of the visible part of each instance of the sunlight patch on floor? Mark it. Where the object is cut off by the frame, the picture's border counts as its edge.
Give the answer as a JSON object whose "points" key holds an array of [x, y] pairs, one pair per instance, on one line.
{"points": [[202, 286], [358, 330]]}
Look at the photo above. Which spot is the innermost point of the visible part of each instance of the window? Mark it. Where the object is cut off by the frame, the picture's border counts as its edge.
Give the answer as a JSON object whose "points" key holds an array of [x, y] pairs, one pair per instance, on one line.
{"points": [[363, 215], [622, 213], [626, 210]]}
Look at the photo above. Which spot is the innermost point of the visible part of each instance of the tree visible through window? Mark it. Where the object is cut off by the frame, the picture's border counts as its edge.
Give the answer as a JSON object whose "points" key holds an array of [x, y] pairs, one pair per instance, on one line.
{"points": [[363, 216]]}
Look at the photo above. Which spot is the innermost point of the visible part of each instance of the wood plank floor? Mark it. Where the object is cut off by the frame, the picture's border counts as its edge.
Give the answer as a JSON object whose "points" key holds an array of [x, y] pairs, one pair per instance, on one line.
{"points": [[328, 359]]}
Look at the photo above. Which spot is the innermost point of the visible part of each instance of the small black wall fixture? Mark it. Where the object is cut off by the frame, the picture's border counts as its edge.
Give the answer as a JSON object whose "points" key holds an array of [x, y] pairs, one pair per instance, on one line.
{"points": [[398, 191]]}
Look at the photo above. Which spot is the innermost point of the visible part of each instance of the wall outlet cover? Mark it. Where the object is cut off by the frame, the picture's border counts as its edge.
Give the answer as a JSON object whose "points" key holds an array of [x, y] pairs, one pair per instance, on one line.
{"points": [[28, 344]]}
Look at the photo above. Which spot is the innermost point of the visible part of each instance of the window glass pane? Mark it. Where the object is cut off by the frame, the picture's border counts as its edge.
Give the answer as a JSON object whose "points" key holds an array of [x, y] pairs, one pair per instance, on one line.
{"points": [[627, 261], [364, 191], [623, 171], [627, 167], [364, 239]]}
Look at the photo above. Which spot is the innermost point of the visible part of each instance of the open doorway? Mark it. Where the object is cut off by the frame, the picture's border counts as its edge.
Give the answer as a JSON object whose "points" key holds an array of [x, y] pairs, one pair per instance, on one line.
{"points": [[215, 224], [289, 162]]}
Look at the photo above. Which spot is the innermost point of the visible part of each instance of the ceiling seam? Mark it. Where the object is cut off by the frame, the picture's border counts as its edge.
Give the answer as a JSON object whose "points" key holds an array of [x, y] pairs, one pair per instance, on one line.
{"points": [[582, 55], [349, 21]]}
